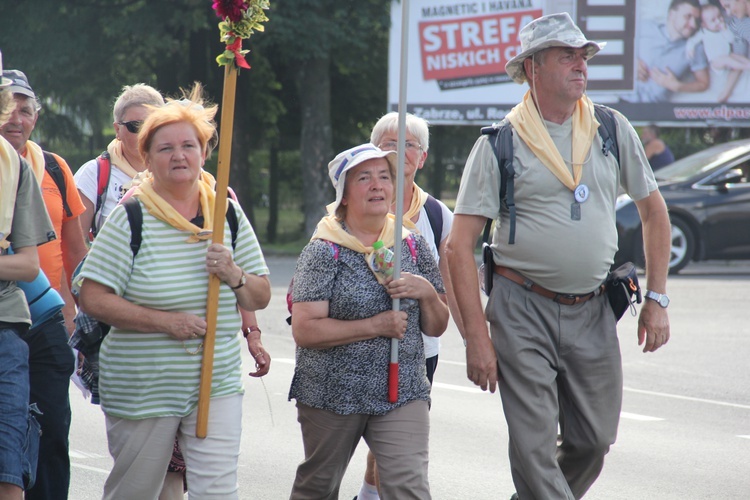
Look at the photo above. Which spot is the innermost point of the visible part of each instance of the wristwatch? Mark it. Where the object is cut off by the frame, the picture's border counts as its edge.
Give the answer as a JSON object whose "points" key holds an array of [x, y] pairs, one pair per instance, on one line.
{"points": [[250, 329], [659, 298], [243, 280]]}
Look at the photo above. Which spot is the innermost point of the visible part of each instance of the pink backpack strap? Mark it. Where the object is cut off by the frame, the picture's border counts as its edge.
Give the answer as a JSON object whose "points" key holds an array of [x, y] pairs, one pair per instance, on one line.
{"points": [[412, 247], [335, 249]]}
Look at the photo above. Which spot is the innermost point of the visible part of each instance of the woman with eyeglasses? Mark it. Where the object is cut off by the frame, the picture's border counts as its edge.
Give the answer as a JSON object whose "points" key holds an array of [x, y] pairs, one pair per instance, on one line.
{"points": [[131, 108], [425, 215], [150, 361]]}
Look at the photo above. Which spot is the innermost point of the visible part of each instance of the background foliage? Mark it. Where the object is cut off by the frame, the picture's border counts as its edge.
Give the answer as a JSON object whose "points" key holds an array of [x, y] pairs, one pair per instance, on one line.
{"points": [[317, 85]]}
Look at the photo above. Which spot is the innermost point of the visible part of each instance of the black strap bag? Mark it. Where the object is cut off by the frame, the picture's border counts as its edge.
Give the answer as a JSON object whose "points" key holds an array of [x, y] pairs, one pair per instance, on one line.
{"points": [[623, 289]]}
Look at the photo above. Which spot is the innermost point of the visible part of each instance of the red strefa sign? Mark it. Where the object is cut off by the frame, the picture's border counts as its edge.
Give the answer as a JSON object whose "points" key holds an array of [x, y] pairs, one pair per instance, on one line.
{"points": [[473, 46]]}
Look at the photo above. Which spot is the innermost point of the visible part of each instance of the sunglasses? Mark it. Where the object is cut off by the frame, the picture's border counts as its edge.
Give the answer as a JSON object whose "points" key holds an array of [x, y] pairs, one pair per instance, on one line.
{"points": [[133, 126]]}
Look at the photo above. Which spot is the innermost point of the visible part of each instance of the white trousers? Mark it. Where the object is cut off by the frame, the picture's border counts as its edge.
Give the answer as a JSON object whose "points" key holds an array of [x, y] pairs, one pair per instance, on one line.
{"points": [[142, 449]]}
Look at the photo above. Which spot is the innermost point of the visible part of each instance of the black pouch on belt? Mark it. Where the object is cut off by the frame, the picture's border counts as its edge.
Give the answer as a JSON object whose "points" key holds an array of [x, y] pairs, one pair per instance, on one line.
{"points": [[623, 289], [487, 269]]}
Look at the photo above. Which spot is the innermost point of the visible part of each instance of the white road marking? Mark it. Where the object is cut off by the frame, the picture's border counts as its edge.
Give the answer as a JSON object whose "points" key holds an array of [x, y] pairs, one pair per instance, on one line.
{"points": [[88, 467], [640, 418], [688, 398], [459, 388], [83, 454], [744, 436]]}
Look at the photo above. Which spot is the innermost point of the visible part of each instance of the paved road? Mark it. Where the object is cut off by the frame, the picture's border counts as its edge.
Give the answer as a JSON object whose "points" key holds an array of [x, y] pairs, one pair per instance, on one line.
{"points": [[684, 433]]}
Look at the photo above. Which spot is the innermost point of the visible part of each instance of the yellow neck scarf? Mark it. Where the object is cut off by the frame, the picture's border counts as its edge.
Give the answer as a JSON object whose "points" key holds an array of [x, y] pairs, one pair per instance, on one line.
{"points": [[10, 167], [531, 129], [418, 199], [330, 229], [117, 157], [163, 210], [35, 157]]}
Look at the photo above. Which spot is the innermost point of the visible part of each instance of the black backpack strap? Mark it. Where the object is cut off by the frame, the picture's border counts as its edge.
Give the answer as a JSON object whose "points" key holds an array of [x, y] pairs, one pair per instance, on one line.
{"points": [[232, 222], [607, 130], [501, 138], [135, 218], [54, 171], [435, 217]]}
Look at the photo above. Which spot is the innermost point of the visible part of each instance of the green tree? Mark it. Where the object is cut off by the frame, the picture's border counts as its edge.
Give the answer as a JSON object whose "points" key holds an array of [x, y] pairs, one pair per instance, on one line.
{"points": [[330, 49]]}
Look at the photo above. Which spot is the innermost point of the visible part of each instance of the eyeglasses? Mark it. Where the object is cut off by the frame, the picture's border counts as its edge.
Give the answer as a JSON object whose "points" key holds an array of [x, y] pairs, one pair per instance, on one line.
{"points": [[133, 126], [393, 146]]}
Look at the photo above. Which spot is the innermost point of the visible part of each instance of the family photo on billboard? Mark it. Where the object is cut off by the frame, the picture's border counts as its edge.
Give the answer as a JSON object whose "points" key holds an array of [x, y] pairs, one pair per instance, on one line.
{"points": [[688, 51]]}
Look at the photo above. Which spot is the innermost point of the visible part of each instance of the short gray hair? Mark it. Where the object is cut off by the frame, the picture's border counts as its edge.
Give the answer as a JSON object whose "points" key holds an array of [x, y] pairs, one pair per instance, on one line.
{"points": [[388, 124], [139, 94]]}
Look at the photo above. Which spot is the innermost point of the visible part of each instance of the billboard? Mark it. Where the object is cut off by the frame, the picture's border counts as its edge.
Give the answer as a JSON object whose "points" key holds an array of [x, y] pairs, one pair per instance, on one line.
{"points": [[686, 66]]}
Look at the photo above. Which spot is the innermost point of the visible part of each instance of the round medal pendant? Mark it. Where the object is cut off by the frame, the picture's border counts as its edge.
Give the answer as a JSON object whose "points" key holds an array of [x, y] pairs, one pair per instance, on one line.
{"points": [[581, 193]]}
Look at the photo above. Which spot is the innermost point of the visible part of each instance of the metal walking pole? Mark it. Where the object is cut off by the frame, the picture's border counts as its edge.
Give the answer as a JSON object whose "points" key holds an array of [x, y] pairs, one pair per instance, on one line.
{"points": [[393, 365]]}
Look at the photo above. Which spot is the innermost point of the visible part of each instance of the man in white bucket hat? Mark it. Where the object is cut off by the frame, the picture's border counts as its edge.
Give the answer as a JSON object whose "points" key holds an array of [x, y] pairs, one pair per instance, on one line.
{"points": [[24, 224], [553, 348]]}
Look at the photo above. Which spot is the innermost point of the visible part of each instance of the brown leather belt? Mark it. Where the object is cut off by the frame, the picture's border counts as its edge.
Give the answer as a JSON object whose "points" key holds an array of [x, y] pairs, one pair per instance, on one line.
{"points": [[562, 298]]}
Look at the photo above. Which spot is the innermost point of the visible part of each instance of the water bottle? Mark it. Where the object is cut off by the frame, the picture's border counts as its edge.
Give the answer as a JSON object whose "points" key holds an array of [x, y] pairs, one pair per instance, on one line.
{"points": [[381, 261]]}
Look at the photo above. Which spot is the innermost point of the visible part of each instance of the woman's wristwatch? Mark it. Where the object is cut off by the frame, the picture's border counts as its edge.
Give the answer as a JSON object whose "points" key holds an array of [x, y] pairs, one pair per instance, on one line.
{"points": [[250, 329], [243, 280]]}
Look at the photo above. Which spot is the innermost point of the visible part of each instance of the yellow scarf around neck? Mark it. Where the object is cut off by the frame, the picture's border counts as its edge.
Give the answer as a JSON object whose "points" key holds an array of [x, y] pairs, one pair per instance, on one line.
{"points": [[35, 156], [330, 229], [117, 157], [418, 199], [10, 167], [163, 210], [531, 129]]}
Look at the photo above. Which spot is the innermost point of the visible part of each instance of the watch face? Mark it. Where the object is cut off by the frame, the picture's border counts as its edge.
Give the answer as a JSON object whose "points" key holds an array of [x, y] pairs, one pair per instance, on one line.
{"points": [[659, 298]]}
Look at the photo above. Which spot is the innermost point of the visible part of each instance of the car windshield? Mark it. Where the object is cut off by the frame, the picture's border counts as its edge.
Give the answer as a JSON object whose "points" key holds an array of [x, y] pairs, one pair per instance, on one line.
{"points": [[702, 161]]}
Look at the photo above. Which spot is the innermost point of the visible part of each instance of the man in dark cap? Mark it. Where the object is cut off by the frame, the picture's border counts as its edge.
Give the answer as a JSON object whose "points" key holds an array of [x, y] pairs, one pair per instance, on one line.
{"points": [[24, 224], [51, 360], [553, 348]]}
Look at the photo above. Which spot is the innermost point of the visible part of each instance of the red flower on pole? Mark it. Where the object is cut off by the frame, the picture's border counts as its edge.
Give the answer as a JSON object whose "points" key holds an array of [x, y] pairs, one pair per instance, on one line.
{"points": [[231, 9], [239, 20]]}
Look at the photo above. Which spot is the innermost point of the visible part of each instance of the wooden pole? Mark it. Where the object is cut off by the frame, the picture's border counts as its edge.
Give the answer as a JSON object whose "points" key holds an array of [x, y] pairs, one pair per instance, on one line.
{"points": [[212, 304]]}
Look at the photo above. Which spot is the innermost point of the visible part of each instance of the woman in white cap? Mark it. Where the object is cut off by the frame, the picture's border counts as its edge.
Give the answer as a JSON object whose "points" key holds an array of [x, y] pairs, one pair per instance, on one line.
{"points": [[343, 324]]}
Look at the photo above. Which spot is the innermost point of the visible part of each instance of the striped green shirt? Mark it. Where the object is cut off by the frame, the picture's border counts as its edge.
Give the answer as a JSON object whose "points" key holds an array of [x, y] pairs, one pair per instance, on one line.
{"points": [[146, 375]]}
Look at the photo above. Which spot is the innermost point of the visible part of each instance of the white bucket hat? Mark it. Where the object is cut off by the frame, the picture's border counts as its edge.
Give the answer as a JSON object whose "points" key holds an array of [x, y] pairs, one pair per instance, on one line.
{"points": [[4, 82], [347, 160], [554, 30]]}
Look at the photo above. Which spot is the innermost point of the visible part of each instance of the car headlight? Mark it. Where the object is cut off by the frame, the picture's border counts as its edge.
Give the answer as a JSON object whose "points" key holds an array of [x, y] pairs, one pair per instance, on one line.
{"points": [[622, 201]]}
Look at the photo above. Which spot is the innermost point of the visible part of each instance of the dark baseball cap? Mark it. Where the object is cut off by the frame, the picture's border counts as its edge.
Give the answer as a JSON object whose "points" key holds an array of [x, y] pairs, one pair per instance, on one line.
{"points": [[19, 84]]}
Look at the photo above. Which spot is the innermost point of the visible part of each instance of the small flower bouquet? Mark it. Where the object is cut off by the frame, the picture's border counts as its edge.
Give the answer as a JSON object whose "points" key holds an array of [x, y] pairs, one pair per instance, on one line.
{"points": [[240, 19]]}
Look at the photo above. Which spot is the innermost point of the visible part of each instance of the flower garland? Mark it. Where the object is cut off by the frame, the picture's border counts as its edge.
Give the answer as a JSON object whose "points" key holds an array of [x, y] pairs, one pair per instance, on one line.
{"points": [[240, 19]]}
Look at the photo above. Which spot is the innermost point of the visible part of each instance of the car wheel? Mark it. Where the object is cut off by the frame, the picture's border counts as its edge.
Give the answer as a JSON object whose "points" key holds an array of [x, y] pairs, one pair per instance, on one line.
{"points": [[683, 245]]}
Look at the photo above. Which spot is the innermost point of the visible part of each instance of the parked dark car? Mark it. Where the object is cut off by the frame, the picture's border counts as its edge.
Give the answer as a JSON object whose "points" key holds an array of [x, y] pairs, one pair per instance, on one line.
{"points": [[708, 196]]}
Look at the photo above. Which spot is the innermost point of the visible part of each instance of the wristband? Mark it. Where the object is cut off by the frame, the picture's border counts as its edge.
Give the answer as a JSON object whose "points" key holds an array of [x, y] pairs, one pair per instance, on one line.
{"points": [[250, 329]]}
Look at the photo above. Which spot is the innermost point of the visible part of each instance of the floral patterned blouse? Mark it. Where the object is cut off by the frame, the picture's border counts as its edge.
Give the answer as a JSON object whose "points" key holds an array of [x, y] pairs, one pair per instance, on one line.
{"points": [[353, 378]]}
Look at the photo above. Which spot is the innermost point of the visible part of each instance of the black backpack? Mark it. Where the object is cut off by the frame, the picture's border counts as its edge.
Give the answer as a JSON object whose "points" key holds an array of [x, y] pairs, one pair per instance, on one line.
{"points": [[54, 171], [501, 138], [135, 219], [435, 218]]}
